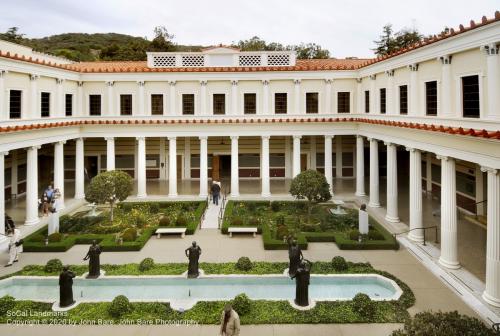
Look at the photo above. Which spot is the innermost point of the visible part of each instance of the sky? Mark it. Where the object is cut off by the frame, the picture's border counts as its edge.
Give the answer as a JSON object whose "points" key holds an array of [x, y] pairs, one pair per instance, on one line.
{"points": [[346, 28]]}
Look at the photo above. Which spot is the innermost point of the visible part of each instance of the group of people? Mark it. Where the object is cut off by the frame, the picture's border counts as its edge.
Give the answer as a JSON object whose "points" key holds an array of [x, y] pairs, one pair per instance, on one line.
{"points": [[15, 241], [50, 200]]}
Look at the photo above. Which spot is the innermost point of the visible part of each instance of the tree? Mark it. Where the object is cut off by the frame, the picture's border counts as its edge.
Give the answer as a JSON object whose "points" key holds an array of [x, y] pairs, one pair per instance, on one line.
{"points": [[390, 42], [162, 40], [12, 35], [109, 187], [312, 186], [310, 51], [303, 50]]}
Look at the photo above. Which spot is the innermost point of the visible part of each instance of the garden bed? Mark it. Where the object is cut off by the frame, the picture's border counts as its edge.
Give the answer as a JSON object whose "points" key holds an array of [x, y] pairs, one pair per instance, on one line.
{"points": [[279, 219], [133, 225]]}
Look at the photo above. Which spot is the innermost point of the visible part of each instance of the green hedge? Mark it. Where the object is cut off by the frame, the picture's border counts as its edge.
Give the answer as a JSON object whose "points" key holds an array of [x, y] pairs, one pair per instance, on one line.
{"points": [[274, 244], [226, 223]]}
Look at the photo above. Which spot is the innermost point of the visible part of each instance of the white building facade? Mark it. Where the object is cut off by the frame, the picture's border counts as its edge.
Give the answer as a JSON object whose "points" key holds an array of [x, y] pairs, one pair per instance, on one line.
{"points": [[264, 117]]}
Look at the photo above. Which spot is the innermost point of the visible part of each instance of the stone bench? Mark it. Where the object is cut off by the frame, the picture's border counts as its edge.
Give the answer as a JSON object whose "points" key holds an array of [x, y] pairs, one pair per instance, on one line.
{"points": [[232, 230], [181, 231]]}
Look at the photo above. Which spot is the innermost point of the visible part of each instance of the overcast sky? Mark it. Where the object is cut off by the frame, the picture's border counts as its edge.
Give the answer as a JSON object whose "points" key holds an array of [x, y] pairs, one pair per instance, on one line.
{"points": [[346, 28]]}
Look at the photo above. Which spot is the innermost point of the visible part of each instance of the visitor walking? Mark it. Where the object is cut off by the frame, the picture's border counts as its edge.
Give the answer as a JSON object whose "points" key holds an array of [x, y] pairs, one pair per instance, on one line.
{"points": [[230, 322], [215, 189], [9, 223], [54, 213], [13, 241]]}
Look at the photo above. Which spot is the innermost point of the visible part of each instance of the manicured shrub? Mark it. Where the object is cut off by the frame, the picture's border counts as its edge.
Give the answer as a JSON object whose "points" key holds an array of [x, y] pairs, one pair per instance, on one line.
{"points": [[119, 306], [375, 235], [282, 232], [236, 221], [164, 221], [37, 238], [280, 220], [181, 221], [339, 264], [449, 323], [242, 304], [129, 235], [154, 208], [354, 234], [146, 264], [363, 305], [7, 303], [53, 265], [55, 237], [275, 206], [244, 264]]}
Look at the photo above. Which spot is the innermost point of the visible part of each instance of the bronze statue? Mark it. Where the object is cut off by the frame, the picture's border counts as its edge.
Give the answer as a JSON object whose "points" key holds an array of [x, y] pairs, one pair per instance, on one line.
{"points": [[66, 287], [193, 253], [302, 283], [94, 263], [295, 256]]}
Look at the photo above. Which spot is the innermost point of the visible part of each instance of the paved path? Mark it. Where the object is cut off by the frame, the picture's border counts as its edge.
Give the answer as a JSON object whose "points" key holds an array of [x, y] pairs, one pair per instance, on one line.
{"points": [[211, 220]]}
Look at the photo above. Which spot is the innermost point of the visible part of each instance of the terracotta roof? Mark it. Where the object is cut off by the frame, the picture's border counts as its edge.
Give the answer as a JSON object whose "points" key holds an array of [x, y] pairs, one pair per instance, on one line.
{"points": [[301, 65], [493, 135]]}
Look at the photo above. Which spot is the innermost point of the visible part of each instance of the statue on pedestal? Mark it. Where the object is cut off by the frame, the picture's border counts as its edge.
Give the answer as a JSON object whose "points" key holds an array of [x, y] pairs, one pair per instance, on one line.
{"points": [[66, 287], [302, 283], [94, 262], [193, 253], [295, 256]]}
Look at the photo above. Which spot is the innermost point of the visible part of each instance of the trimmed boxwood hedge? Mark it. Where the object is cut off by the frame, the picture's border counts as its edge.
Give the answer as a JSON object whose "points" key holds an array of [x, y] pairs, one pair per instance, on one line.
{"points": [[228, 214], [274, 244]]}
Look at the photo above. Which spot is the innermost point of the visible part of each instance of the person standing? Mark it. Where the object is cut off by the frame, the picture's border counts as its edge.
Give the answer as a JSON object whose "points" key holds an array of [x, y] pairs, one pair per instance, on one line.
{"points": [[54, 213], [45, 203], [215, 192], [230, 322], [12, 248]]}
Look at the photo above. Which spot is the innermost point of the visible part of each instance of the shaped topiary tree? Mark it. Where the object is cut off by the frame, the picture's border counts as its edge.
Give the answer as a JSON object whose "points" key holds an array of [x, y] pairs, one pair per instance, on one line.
{"points": [[109, 187], [311, 186]]}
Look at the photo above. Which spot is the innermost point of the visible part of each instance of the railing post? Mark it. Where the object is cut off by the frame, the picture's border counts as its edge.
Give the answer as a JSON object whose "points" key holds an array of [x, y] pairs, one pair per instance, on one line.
{"points": [[423, 231]]}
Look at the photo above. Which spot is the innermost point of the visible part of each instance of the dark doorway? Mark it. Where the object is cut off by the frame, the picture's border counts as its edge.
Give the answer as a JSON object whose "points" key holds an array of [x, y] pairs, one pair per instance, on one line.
{"points": [[91, 169], [225, 166]]}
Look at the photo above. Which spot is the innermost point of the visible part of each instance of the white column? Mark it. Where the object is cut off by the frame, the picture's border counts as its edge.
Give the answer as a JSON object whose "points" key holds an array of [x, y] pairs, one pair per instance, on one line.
{"points": [[203, 97], [79, 169], [413, 98], [390, 108], [359, 96], [80, 110], [235, 178], [360, 166], [171, 99], [313, 152], [328, 161], [328, 97], [428, 172], [203, 166], [140, 98], [141, 167], [445, 93], [172, 168], [374, 175], [492, 291], [416, 195], [4, 115], [338, 156], [234, 98], [296, 97], [34, 112], [2, 195], [266, 187], [449, 244], [13, 173], [296, 155], [32, 186], [111, 99], [187, 158], [110, 154], [392, 184], [493, 82], [59, 169], [288, 161], [163, 159], [265, 97], [373, 95], [59, 108]]}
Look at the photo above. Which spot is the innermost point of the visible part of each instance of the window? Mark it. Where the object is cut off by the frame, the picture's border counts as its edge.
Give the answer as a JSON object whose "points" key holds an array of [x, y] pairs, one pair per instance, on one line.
{"points": [[470, 96], [219, 103], [95, 105], [249, 103], [280, 103], [431, 98], [312, 102], [68, 105], [343, 102], [15, 104], [126, 104], [45, 104], [403, 99], [157, 104], [383, 102], [188, 104], [367, 101]]}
